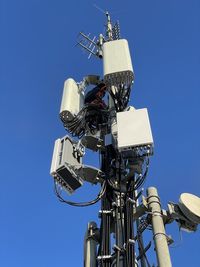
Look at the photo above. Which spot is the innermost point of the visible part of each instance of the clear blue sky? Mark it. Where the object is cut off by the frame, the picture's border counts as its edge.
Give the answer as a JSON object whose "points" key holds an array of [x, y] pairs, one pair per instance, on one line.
{"points": [[37, 54]]}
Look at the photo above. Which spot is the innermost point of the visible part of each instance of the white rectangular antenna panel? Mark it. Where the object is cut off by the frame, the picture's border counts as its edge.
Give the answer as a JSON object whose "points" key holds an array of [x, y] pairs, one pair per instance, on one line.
{"points": [[72, 100], [117, 64], [133, 129]]}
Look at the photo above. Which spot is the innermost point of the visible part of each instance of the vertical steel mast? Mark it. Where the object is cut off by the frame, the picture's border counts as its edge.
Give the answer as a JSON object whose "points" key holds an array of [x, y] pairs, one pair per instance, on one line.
{"points": [[100, 119], [116, 212]]}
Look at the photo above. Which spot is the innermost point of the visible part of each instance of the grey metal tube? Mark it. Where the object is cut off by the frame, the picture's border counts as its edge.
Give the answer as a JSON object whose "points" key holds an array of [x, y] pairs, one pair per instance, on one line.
{"points": [[90, 246], [159, 235]]}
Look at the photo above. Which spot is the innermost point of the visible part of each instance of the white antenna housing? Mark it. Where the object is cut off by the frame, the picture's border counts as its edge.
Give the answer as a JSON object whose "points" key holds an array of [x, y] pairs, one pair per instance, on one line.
{"points": [[72, 100], [133, 129], [117, 64]]}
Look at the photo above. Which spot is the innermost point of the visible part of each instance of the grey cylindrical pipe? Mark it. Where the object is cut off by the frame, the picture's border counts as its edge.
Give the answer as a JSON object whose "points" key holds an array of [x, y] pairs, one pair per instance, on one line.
{"points": [[90, 246], [160, 238]]}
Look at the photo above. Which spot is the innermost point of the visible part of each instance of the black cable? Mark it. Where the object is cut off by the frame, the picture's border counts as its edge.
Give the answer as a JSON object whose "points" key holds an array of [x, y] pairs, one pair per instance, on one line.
{"points": [[120, 210], [120, 97], [143, 252], [89, 118], [141, 180], [131, 231], [81, 204], [117, 237], [127, 232], [100, 238]]}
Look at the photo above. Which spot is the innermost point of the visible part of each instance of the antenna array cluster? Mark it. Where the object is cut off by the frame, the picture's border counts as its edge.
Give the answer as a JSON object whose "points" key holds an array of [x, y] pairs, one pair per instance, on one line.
{"points": [[100, 119]]}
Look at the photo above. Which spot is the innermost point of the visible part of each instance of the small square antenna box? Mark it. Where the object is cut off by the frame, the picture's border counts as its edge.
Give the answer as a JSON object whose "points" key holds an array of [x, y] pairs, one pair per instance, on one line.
{"points": [[64, 163], [133, 129]]}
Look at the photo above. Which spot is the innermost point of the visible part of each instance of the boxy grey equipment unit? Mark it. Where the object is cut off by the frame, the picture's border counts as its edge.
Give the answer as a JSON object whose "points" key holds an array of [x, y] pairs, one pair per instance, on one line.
{"points": [[66, 161]]}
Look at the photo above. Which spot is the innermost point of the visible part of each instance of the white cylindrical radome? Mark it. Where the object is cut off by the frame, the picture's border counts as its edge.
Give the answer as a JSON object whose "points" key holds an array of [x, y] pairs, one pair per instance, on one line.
{"points": [[72, 100]]}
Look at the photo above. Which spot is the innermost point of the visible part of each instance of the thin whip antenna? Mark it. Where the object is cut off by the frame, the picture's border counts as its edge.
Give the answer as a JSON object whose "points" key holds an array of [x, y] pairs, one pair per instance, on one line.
{"points": [[109, 24], [100, 9]]}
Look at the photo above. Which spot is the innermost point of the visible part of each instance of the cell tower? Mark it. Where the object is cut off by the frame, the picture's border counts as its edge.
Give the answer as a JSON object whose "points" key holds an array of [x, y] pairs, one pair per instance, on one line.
{"points": [[100, 119]]}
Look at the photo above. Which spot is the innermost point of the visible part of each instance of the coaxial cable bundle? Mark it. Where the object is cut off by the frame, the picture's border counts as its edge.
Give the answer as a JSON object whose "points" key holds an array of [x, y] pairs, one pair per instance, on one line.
{"points": [[89, 119]]}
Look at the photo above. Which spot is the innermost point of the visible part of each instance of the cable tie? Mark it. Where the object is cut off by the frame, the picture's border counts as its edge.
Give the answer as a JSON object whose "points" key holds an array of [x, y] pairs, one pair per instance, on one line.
{"points": [[104, 257], [105, 211], [163, 234], [115, 247], [131, 200], [131, 241]]}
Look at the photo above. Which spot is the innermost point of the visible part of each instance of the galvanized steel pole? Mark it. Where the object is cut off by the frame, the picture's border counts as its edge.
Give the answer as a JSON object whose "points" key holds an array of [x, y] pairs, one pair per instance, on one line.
{"points": [[159, 235]]}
